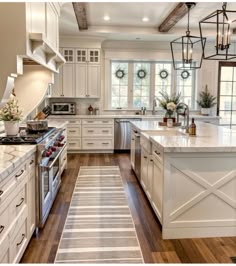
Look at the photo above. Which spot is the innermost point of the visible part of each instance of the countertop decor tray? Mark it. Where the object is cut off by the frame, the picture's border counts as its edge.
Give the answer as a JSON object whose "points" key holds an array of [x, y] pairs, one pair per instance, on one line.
{"points": [[164, 124]]}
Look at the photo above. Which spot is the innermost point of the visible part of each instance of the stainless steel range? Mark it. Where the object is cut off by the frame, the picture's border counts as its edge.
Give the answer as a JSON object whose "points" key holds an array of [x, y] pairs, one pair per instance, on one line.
{"points": [[50, 145]]}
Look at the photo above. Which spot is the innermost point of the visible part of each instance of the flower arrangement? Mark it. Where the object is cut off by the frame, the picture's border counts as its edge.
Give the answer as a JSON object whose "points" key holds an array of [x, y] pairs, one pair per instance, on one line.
{"points": [[169, 103], [11, 111]]}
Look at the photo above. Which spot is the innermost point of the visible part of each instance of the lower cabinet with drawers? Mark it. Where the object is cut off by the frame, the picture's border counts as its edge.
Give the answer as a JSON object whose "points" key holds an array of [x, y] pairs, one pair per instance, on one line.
{"points": [[17, 211], [90, 135]]}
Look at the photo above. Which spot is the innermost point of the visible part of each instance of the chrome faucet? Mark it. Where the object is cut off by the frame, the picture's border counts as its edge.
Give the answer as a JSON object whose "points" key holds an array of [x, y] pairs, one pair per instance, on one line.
{"points": [[154, 105], [185, 114]]}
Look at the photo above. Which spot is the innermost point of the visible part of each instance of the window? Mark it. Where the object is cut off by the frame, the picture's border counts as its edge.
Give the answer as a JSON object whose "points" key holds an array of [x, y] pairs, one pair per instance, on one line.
{"points": [[134, 84], [226, 107]]}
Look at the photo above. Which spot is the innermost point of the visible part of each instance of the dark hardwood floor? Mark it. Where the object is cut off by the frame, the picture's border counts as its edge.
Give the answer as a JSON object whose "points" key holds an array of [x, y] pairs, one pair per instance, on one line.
{"points": [[42, 249]]}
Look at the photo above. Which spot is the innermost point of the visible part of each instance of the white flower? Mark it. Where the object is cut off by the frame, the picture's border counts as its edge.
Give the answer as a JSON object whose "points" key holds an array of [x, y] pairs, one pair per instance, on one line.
{"points": [[171, 106]]}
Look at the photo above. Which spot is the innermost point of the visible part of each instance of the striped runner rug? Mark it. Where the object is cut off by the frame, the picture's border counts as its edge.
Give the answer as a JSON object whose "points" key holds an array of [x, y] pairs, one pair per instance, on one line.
{"points": [[99, 227]]}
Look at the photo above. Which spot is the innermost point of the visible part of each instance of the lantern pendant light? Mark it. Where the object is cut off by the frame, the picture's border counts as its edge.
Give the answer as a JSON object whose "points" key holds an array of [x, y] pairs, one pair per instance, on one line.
{"points": [[187, 51], [220, 21]]}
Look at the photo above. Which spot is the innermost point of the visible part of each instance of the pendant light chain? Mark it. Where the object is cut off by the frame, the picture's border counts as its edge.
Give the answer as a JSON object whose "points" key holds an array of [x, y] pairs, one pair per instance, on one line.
{"points": [[188, 31]]}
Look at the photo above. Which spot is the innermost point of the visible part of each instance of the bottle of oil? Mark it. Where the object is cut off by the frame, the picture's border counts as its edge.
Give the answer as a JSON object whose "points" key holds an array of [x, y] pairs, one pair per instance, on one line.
{"points": [[192, 128]]}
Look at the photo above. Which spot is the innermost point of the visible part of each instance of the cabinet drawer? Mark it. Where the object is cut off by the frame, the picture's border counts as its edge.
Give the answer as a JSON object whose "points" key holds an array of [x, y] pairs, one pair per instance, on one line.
{"points": [[4, 220], [18, 243], [5, 250], [157, 154], [73, 122], [10, 183], [97, 144], [74, 144], [74, 131], [98, 121], [18, 203], [97, 131]]}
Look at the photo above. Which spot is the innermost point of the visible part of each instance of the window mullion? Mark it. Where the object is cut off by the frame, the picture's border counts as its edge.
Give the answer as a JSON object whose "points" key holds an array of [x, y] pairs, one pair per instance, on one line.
{"points": [[130, 85], [152, 85]]}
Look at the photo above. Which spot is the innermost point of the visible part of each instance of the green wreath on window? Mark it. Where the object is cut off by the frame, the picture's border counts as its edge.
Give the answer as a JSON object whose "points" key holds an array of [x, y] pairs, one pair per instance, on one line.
{"points": [[120, 73], [141, 73], [185, 74], [163, 74]]}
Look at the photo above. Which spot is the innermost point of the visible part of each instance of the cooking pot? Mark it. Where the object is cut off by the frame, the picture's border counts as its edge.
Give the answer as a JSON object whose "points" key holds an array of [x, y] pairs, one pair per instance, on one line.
{"points": [[39, 125]]}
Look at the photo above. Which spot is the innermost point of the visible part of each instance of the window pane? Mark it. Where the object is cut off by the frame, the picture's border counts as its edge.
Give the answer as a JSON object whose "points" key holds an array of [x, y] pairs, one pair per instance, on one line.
{"points": [[225, 103], [141, 84], [119, 84], [226, 88], [226, 73], [163, 73]]}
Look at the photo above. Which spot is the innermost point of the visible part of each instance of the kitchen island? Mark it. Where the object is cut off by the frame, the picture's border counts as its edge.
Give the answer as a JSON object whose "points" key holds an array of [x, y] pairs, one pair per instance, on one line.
{"points": [[190, 181]]}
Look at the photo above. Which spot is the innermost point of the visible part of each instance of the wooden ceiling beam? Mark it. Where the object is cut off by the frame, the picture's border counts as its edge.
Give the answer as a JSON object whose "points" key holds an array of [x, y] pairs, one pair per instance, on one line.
{"points": [[80, 14], [175, 15]]}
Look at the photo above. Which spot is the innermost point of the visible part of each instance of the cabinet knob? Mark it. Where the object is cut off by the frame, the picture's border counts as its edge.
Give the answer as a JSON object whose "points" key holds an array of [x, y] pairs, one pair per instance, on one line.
{"points": [[158, 153], [1, 228], [1, 192], [145, 157]]}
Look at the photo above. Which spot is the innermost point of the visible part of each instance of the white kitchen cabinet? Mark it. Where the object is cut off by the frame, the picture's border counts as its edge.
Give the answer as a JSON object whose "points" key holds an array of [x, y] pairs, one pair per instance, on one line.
{"points": [[37, 13], [69, 55], [31, 196], [89, 56], [132, 149], [68, 82], [17, 211], [52, 29], [87, 80], [144, 169], [157, 188]]}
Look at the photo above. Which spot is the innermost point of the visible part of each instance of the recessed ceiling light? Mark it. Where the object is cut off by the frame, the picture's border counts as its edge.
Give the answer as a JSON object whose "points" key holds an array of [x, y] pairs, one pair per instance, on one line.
{"points": [[106, 18], [145, 19]]}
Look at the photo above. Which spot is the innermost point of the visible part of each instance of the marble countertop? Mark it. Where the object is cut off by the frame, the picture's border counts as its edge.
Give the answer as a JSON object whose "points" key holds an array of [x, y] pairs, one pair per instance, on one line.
{"points": [[209, 138], [11, 156], [57, 123]]}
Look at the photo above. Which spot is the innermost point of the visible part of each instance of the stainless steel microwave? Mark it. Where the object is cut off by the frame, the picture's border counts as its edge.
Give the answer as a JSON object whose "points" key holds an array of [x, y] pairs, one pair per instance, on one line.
{"points": [[63, 108]]}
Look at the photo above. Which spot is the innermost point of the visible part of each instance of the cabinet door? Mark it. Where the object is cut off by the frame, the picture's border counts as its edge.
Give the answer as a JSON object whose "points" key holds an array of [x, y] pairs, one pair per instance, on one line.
{"points": [[132, 149], [94, 56], [52, 25], [157, 189], [38, 17], [149, 178], [144, 169], [68, 80], [81, 80], [69, 55], [93, 81], [57, 86], [81, 56], [31, 197]]}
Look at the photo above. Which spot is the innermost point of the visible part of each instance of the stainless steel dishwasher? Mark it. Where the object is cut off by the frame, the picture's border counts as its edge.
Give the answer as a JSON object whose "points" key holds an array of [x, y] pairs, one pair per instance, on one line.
{"points": [[123, 133]]}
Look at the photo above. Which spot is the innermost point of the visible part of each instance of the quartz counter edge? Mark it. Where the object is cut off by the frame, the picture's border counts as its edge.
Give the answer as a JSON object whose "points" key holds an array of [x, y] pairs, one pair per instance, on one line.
{"points": [[12, 156]]}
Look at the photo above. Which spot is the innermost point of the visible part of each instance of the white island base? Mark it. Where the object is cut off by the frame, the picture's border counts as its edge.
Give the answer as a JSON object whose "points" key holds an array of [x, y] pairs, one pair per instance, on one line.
{"points": [[199, 195]]}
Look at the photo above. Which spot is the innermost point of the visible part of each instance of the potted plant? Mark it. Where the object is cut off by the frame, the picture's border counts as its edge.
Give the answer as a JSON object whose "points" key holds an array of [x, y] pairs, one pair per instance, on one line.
{"points": [[11, 115], [169, 104], [206, 102]]}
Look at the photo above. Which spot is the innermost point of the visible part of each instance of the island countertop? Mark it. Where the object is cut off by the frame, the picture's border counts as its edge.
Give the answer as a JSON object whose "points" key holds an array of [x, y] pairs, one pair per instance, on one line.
{"points": [[209, 138], [11, 156]]}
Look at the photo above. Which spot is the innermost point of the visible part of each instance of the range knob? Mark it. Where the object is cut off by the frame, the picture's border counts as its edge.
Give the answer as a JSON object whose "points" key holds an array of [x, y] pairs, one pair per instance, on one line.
{"points": [[53, 148]]}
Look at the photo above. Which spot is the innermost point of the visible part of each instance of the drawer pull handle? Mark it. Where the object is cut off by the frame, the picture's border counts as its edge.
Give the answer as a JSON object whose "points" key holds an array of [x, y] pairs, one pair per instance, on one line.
{"points": [[21, 172], [18, 205], [1, 192], [105, 143], [90, 143], [105, 131], [72, 122], [72, 143], [31, 162], [105, 121], [151, 160], [1, 228], [90, 131], [158, 153], [90, 121], [19, 243], [145, 157], [72, 131]]}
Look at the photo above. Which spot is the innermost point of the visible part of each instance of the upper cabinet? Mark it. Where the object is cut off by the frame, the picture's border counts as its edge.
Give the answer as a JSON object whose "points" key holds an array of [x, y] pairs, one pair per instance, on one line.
{"points": [[80, 76]]}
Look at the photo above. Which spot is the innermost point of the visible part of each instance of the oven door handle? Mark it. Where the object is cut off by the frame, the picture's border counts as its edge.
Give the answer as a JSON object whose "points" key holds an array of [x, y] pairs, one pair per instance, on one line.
{"points": [[48, 167]]}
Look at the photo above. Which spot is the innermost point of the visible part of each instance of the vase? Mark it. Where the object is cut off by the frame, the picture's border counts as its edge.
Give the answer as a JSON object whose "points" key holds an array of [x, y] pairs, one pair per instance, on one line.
{"points": [[169, 115], [11, 128], [205, 111]]}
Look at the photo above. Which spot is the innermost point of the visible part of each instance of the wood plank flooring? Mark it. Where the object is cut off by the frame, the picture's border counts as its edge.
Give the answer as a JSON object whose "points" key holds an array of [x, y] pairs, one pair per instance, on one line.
{"points": [[42, 249]]}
